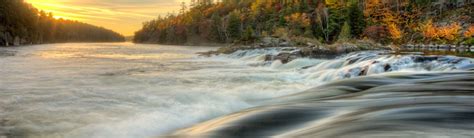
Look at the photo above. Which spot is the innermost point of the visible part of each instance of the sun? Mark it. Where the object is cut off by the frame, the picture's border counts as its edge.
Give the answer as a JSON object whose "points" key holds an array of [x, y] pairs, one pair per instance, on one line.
{"points": [[60, 17]]}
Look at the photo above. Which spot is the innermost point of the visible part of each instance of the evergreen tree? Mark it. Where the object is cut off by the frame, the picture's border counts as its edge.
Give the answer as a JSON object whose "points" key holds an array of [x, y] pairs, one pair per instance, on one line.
{"points": [[345, 33], [233, 25], [356, 20], [248, 34]]}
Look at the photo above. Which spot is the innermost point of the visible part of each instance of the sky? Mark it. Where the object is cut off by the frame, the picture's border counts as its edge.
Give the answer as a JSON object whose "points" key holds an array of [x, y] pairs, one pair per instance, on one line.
{"points": [[122, 16]]}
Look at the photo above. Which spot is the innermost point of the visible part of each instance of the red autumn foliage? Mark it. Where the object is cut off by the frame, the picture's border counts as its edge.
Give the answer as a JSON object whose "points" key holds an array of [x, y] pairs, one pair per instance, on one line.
{"points": [[377, 33]]}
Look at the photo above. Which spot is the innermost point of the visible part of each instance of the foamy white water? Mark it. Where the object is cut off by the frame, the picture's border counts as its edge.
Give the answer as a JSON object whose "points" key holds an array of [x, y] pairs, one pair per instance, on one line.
{"points": [[133, 90]]}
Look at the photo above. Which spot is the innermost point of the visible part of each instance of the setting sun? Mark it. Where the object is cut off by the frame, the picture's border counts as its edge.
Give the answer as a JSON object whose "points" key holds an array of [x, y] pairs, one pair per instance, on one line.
{"points": [[124, 16]]}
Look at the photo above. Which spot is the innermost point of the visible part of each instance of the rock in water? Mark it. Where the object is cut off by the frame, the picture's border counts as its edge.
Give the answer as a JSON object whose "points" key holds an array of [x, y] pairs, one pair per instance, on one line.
{"points": [[408, 105]]}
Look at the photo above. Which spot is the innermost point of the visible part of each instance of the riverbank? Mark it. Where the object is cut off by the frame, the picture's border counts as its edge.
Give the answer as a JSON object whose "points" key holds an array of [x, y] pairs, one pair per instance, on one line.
{"points": [[302, 47], [291, 50]]}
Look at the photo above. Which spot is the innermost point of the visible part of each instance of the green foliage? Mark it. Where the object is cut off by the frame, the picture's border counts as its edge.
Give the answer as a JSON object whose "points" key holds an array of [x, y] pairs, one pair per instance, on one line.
{"points": [[356, 20], [326, 20], [330, 23], [469, 41], [248, 34], [345, 34], [233, 25]]}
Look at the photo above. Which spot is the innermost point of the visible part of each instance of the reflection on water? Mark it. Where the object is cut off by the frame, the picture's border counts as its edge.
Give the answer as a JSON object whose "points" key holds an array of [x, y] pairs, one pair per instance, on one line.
{"points": [[133, 90]]}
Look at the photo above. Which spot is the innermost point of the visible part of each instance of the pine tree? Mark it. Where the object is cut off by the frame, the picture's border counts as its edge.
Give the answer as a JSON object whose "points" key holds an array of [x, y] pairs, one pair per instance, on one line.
{"points": [[345, 33], [233, 25], [248, 34], [356, 20]]}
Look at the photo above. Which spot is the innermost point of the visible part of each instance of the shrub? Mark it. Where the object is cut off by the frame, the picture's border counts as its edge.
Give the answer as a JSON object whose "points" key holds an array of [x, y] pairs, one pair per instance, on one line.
{"points": [[469, 32], [395, 33], [469, 41], [345, 33], [448, 33]]}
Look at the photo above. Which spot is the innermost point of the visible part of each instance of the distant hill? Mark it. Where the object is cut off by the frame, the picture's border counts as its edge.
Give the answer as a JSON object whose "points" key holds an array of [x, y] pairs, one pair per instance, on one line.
{"points": [[21, 23], [324, 21]]}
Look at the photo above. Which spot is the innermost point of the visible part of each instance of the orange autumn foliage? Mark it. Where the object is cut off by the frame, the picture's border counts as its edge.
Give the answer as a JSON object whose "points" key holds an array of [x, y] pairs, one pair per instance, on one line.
{"points": [[429, 30], [469, 32], [448, 32], [395, 32], [300, 19]]}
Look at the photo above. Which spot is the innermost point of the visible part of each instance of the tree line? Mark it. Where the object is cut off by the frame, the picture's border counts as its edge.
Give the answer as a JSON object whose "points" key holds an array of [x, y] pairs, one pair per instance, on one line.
{"points": [[21, 23], [327, 21]]}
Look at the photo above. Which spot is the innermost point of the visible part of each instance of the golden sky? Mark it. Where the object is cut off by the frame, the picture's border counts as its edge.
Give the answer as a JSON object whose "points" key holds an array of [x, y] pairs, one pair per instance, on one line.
{"points": [[123, 16]]}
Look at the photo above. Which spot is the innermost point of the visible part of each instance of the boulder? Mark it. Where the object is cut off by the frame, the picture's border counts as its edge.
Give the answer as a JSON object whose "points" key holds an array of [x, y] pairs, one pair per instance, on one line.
{"points": [[295, 55], [307, 51], [424, 58], [267, 41], [270, 42], [285, 57], [284, 44], [387, 67], [309, 44]]}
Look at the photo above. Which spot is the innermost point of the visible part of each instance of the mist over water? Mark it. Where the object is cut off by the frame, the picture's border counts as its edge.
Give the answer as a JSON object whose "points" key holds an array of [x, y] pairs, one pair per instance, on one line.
{"points": [[133, 90]]}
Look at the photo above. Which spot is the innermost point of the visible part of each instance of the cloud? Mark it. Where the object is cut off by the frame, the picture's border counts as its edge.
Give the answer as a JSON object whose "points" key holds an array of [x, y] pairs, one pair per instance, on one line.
{"points": [[124, 16]]}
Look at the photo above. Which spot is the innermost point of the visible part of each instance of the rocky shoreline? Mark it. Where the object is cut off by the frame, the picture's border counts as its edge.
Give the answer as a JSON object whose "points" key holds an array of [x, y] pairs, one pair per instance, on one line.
{"points": [[8, 40], [439, 47], [291, 50]]}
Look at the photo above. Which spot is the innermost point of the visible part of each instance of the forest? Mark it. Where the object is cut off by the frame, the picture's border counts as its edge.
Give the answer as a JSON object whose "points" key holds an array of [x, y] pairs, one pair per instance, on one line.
{"points": [[325, 21], [21, 24]]}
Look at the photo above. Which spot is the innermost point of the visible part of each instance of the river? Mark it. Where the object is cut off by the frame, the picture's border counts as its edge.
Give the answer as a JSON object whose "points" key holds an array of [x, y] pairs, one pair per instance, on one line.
{"points": [[137, 90]]}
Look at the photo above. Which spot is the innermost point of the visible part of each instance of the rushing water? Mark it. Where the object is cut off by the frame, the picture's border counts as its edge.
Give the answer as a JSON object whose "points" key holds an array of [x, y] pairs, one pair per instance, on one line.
{"points": [[132, 90]]}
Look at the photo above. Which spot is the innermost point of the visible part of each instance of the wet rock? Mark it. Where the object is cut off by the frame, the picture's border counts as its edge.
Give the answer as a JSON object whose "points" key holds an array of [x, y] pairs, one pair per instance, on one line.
{"points": [[307, 67], [352, 60], [387, 67], [270, 42], [285, 56], [284, 44], [295, 55], [424, 58], [364, 71], [345, 48], [208, 54], [266, 40], [307, 51]]}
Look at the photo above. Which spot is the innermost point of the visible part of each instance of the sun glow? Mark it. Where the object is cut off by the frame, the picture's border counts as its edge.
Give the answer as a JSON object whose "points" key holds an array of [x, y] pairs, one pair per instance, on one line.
{"points": [[123, 16], [50, 6]]}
